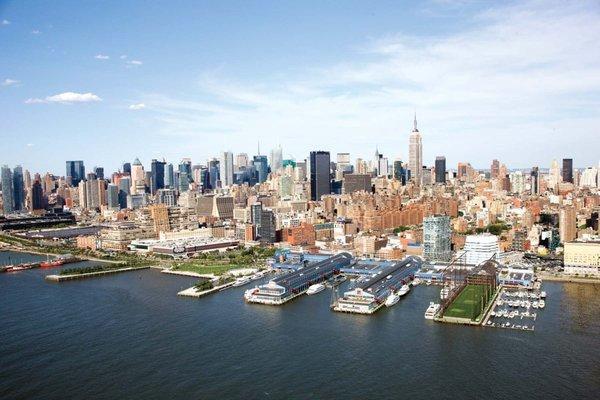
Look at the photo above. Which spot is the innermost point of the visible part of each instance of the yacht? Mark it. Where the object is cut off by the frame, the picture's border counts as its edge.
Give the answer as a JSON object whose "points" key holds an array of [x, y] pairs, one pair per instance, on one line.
{"points": [[543, 295], [444, 293], [542, 304], [415, 282], [242, 281], [403, 290], [432, 310], [314, 289], [392, 299]]}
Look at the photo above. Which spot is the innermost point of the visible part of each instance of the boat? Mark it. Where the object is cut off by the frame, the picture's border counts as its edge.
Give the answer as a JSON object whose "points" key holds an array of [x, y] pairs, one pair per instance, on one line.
{"points": [[241, 281], [248, 293], [535, 304], [444, 293], [314, 289], [403, 290], [542, 304], [392, 299], [543, 295], [51, 264], [432, 310], [415, 282], [428, 282]]}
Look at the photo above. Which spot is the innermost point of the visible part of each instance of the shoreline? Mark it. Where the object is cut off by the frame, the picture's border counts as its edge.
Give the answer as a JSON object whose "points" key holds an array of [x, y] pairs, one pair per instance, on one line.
{"points": [[569, 279], [40, 253]]}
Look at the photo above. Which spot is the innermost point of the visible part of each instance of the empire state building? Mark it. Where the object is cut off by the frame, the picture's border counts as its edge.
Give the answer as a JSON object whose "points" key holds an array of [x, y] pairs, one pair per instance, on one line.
{"points": [[415, 154]]}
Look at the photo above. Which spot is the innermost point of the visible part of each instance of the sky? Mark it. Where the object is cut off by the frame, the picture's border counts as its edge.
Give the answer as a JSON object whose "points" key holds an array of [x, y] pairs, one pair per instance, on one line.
{"points": [[110, 81]]}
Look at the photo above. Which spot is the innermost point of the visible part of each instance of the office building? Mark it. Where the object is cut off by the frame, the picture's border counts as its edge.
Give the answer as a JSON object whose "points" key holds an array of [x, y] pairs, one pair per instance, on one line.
{"points": [[567, 170], [415, 154], [7, 190], [357, 182], [226, 169], [18, 189], [320, 180], [440, 169], [75, 172]]}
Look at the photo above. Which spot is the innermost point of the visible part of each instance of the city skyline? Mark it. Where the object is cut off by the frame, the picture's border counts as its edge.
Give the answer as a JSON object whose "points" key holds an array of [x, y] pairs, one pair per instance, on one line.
{"points": [[476, 75]]}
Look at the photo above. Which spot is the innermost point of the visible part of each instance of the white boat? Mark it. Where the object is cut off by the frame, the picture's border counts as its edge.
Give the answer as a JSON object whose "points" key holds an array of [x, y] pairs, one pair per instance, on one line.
{"points": [[542, 304], [415, 282], [428, 282], [444, 293], [392, 299], [403, 290], [314, 289], [248, 293], [241, 281], [543, 295], [535, 304], [432, 310]]}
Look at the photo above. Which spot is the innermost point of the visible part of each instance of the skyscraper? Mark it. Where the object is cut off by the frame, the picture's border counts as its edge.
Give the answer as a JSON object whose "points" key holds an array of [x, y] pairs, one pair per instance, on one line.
{"points": [[320, 181], [137, 176], [440, 169], [18, 189], [567, 170], [75, 172], [157, 175], [168, 179], [99, 171], [400, 172], [226, 168], [7, 190], [112, 196], [276, 158], [127, 168], [415, 154], [262, 167]]}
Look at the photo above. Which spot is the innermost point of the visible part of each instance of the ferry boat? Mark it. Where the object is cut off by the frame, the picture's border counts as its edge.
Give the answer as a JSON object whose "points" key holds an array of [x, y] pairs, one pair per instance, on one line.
{"points": [[392, 299], [241, 281], [250, 292], [314, 289], [432, 310], [403, 290]]}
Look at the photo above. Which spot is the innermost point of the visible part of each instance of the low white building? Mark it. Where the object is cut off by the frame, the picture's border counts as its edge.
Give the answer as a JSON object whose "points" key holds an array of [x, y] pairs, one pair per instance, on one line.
{"points": [[480, 248]]}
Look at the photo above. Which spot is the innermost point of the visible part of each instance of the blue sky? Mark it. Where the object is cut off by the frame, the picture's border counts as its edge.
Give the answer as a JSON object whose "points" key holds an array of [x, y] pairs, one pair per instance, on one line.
{"points": [[110, 81]]}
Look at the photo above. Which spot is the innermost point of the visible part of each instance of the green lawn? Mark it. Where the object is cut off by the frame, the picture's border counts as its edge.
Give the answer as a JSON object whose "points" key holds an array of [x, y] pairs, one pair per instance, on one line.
{"points": [[468, 303], [199, 268]]}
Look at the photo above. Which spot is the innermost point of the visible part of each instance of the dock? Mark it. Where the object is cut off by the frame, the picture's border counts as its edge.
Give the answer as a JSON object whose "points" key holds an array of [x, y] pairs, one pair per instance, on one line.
{"points": [[370, 293], [62, 278], [286, 287], [193, 292]]}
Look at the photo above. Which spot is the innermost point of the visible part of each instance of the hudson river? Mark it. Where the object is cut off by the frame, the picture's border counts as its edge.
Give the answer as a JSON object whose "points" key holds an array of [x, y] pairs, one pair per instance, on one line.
{"points": [[128, 336]]}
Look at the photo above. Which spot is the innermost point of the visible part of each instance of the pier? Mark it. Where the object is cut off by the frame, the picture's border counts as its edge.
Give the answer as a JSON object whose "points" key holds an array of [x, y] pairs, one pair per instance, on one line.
{"points": [[371, 292], [284, 288], [62, 278]]}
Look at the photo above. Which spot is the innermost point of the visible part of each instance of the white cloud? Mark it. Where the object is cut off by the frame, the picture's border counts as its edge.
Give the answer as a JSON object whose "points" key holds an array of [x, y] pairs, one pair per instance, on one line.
{"points": [[101, 57], [5, 22], [138, 106], [123, 56], [66, 98], [29, 145], [529, 68], [35, 32], [10, 82], [134, 62]]}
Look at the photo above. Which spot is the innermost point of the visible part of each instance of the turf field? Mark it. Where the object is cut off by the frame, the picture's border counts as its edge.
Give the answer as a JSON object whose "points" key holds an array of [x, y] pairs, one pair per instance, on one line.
{"points": [[468, 303]]}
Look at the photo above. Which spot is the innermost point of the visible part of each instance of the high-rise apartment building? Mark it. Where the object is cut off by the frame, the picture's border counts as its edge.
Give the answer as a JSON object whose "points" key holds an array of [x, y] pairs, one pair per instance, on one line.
{"points": [[567, 224], [495, 169], [437, 238], [320, 181], [415, 154]]}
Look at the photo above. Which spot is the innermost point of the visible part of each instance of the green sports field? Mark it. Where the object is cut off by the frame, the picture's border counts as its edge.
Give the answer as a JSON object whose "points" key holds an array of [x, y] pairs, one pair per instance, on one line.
{"points": [[468, 303]]}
